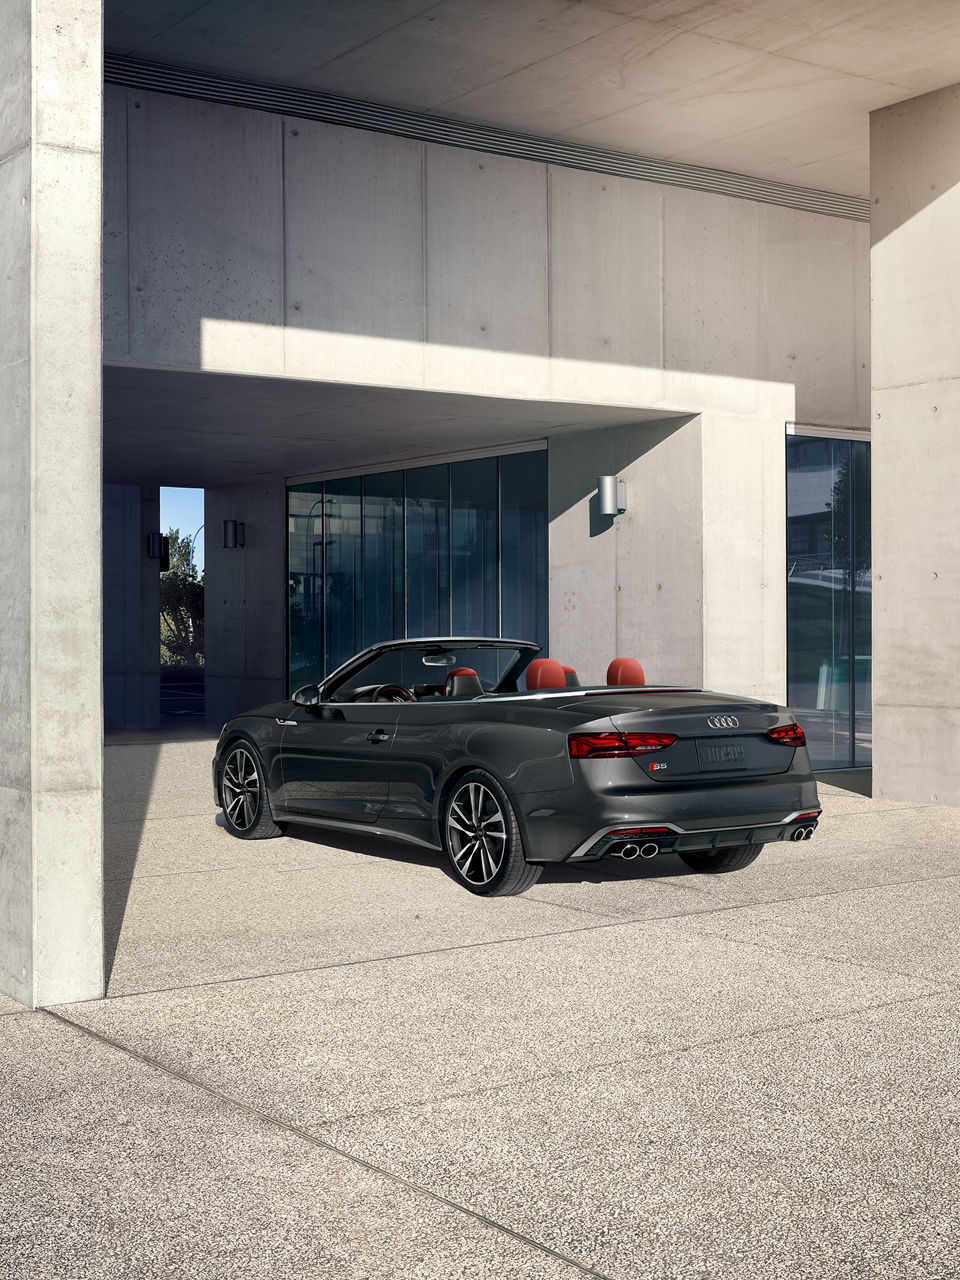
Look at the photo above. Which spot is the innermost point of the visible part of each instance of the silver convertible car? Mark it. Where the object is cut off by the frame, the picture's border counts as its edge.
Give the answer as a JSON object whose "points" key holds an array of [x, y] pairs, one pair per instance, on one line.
{"points": [[500, 758]]}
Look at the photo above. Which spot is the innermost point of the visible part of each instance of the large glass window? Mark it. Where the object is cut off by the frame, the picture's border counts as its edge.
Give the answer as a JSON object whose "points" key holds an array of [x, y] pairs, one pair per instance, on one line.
{"points": [[828, 597], [428, 551], [452, 549], [523, 546]]}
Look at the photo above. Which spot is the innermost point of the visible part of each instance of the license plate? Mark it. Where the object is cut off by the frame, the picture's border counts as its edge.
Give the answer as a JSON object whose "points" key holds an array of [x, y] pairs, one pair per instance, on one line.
{"points": [[721, 753]]}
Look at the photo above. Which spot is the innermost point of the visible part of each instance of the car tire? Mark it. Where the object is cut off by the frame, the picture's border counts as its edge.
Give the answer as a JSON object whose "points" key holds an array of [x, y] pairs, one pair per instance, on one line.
{"points": [[482, 838], [725, 860], [243, 794]]}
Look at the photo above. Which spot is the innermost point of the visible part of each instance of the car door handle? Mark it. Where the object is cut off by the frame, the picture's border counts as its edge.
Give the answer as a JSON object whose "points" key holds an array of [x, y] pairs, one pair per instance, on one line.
{"points": [[378, 735]]}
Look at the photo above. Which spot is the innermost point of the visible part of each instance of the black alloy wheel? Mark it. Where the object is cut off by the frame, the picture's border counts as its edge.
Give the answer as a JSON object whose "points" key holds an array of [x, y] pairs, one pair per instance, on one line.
{"points": [[482, 838], [243, 795]]}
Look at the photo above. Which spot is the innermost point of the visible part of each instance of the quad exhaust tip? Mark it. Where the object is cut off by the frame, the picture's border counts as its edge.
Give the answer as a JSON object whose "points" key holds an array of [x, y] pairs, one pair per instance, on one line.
{"points": [[802, 833]]}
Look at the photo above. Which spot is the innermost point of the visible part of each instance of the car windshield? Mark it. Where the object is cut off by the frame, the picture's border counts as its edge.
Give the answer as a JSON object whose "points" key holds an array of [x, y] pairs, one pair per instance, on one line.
{"points": [[424, 670]]}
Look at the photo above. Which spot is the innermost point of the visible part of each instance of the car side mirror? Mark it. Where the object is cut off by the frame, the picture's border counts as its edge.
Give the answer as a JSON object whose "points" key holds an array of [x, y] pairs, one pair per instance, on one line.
{"points": [[308, 696]]}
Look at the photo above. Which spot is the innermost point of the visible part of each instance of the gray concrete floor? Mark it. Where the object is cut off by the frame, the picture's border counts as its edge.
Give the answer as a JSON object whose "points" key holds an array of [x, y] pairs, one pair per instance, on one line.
{"points": [[319, 1057]]}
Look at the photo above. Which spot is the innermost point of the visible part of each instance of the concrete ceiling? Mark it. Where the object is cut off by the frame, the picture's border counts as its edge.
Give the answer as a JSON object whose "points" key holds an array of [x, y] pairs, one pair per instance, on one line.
{"points": [[771, 88], [201, 429]]}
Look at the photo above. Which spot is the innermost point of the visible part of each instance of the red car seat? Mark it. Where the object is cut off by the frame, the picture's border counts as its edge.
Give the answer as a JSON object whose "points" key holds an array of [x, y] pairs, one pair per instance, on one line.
{"points": [[546, 673], [625, 671], [462, 682]]}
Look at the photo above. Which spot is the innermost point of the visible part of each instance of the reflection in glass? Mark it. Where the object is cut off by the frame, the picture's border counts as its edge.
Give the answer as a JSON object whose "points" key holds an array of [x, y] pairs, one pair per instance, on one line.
{"points": [[342, 571], [828, 597], [523, 547], [305, 562], [473, 548], [434, 550], [428, 551], [382, 557]]}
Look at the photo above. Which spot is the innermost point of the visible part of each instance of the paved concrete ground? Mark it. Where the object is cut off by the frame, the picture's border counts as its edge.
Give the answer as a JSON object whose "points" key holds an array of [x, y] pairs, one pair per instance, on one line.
{"points": [[321, 1058]]}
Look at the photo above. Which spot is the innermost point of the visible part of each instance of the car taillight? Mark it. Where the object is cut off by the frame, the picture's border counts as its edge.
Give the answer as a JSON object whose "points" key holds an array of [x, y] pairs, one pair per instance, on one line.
{"points": [[790, 735], [605, 745]]}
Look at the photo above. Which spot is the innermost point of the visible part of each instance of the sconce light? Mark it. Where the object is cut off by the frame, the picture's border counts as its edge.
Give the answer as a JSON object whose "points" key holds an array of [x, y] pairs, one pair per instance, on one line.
{"points": [[233, 534], [158, 548], [611, 495]]}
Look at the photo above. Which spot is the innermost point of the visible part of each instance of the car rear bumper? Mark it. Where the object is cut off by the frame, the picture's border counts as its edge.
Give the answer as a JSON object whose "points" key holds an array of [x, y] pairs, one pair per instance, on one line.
{"points": [[669, 837], [563, 825]]}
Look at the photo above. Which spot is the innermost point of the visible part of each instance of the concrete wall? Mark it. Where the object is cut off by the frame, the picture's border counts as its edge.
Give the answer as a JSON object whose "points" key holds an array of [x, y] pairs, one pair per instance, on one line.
{"points": [[915, 267], [244, 242], [245, 599], [131, 608], [689, 579], [50, 374], [251, 243]]}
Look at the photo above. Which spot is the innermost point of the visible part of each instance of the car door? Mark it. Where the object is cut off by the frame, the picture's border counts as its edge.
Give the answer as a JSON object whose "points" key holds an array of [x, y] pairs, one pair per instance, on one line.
{"points": [[335, 759]]}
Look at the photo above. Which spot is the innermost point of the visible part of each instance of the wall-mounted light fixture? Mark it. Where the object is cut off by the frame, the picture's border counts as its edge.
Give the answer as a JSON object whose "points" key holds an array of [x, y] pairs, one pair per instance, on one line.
{"points": [[611, 495], [158, 548], [234, 534]]}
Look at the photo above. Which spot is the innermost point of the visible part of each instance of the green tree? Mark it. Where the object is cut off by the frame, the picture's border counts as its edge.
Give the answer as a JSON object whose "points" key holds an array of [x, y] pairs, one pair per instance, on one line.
{"points": [[181, 609]]}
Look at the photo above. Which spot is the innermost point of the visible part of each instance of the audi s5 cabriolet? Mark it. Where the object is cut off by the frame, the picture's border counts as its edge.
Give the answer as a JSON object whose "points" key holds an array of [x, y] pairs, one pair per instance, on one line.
{"points": [[499, 758]]}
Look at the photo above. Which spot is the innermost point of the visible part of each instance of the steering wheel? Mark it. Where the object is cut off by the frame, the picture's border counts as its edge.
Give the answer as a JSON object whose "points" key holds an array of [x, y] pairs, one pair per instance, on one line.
{"points": [[392, 693]]}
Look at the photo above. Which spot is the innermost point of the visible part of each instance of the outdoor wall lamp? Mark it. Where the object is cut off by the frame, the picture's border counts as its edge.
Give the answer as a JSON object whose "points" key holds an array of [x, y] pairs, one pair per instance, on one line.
{"points": [[611, 495], [158, 548], [233, 534]]}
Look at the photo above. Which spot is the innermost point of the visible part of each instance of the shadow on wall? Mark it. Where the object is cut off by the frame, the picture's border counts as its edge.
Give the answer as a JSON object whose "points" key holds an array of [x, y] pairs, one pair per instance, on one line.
{"points": [[578, 459]]}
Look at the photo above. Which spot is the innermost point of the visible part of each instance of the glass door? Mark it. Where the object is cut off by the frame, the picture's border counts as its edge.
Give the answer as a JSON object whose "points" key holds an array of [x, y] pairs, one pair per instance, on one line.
{"points": [[828, 598]]}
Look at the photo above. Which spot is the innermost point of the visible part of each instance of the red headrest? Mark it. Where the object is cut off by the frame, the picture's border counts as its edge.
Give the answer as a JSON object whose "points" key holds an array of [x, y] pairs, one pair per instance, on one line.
{"points": [[457, 671], [625, 671], [545, 673]]}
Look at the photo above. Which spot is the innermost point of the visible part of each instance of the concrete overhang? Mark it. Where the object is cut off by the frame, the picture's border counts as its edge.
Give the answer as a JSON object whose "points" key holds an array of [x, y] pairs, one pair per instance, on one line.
{"points": [[174, 427], [762, 87]]}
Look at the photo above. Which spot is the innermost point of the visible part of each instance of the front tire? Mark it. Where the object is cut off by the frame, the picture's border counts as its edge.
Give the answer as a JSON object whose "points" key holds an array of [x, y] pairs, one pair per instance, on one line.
{"points": [[734, 859], [243, 795], [482, 839]]}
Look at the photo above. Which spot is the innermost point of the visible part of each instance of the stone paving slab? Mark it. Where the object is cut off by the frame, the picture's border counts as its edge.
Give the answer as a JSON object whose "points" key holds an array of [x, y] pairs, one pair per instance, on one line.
{"points": [[312, 1047], [829, 1149], [908, 928], [200, 928], [113, 1171]]}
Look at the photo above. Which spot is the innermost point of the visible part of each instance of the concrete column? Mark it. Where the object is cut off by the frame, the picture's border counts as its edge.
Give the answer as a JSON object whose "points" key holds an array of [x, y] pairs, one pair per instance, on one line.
{"points": [[245, 599], [915, 270], [690, 578], [131, 608], [51, 942]]}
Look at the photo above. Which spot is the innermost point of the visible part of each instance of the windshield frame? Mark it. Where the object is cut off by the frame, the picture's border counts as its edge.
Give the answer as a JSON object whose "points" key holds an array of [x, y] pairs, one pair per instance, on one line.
{"points": [[526, 652]]}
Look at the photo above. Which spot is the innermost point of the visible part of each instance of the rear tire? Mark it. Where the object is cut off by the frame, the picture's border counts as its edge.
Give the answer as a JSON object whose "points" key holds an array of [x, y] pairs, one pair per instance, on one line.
{"points": [[243, 794], [725, 860], [482, 839]]}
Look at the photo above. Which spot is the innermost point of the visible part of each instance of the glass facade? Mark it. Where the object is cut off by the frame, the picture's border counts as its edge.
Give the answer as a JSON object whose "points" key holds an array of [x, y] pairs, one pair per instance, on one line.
{"points": [[454, 549], [829, 598]]}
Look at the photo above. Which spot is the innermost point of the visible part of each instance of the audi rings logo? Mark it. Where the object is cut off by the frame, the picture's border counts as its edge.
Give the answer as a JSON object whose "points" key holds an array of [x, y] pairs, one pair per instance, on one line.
{"points": [[723, 722]]}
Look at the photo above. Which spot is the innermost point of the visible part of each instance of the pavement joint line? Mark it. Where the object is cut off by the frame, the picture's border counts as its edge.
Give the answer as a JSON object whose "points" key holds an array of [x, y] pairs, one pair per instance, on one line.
{"points": [[611, 923], [303, 1135], [582, 1073], [786, 948]]}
